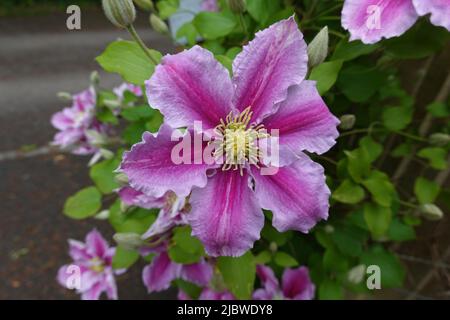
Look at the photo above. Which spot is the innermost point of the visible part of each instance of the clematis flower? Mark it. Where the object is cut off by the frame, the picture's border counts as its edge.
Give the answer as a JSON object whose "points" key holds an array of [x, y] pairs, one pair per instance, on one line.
{"points": [[124, 87], [295, 285], [79, 132], [267, 92], [93, 259], [162, 271], [372, 20]]}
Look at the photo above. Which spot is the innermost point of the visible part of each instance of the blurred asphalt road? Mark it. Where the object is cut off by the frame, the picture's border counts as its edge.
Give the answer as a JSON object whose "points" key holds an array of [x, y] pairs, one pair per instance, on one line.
{"points": [[38, 58]]}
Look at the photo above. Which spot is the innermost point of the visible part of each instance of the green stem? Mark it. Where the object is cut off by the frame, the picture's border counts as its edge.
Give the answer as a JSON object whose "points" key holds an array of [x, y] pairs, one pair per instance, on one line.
{"points": [[408, 204], [141, 43]]}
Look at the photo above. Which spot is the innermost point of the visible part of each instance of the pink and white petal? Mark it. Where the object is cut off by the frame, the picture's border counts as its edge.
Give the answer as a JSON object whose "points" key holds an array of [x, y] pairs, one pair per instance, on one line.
{"points": [[151, 169], [133, 197], [191, 86], [93, 293], [198, 273], [372, 20], [63, 275], [159, 274], [78, 251], [225, 215], [439, 9], [96, 244], [60, 121], [89, 279], [268, 279], [296, 194], [183, 296], [297, 284], [262, 294], [275, 60], [111, 287], [304, 121]]}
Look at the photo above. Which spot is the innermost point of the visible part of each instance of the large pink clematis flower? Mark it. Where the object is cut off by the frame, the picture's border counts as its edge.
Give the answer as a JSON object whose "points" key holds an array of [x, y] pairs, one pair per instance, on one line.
{"points": [[372, 20], [268, 91], [295, 285], [94, 261]]}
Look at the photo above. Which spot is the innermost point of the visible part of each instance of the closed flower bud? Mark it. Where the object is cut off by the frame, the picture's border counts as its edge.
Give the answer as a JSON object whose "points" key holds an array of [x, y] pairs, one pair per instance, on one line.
{"points": [[440, 139], [329, 228], [95, 78], [236, 6], [318, 48], [102, 215], [111, 104], [121, 13], [158, 24], [106, 154], [431, 212], [121, 178], [356, 274], [347, 121], [145, 4], [273, 247], [64, 96], [128, 241]]}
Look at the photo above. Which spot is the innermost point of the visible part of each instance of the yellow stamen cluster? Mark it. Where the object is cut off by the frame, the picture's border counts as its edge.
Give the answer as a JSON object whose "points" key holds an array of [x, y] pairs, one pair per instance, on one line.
{"points": [[237, 140], [97, 265]]}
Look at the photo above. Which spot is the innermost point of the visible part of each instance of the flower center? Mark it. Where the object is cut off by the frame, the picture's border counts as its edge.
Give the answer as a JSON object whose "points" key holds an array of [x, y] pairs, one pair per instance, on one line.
{"points": [[97, 265], [236, 141]]}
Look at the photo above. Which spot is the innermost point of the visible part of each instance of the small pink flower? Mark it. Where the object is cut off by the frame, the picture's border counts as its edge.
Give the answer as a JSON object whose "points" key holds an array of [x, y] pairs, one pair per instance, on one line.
{"points": [[210, 5], [295, 285], [93, 259], [124, 87]]}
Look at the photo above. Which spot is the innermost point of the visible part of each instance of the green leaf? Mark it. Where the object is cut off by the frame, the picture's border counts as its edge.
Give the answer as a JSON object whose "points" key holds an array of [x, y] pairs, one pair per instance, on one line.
{"points": [[346, 50], [262, 10], [397, 118], [127, 59], [425, 190], [330, 290], [437, 157], [349, 192], [373, 148], [238, 274], [166, 8], [398, 231], [439, 109], [377, 218], [137, 113], [359, 83], [133, 132], [226, 62], [185, 248], [284, 260], [106, 116], [333, 260], [392, 272], [271, 234], [349, 240], [189, 32], [358, 165], [85, 203], [381, 188], [137, 221], [123, 259], [326, 74], [103, 175], [401, 150], [419, 42], [213, 25], [264, 257], [192, 290]]}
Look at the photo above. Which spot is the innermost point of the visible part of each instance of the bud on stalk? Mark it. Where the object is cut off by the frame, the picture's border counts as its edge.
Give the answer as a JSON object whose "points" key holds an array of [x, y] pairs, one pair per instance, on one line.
{"points": [[431, 212], [128, 241], [158, 24], [121, 13], [318, 48], [440, 139], [347, 121]]}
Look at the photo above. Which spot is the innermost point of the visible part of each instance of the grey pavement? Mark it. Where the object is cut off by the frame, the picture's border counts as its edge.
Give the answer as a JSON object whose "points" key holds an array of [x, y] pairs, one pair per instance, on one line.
{"points": [[38, 58]]}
